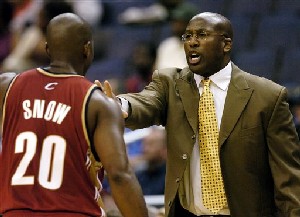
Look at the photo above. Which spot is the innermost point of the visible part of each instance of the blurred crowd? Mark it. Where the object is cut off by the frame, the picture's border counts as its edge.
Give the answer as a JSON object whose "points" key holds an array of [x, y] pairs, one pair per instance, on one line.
{"points": [[133, 38], [23, 24]]}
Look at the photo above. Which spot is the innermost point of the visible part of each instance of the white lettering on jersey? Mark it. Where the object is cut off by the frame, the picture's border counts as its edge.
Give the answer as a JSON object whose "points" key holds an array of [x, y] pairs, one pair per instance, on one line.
{"points": [[27, 112], [52, 111], [38, 108], [60, 113]]}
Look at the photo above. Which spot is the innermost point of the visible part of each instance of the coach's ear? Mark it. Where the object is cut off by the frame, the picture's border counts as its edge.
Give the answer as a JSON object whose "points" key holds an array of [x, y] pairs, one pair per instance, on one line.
{"points": [[227, 44]]}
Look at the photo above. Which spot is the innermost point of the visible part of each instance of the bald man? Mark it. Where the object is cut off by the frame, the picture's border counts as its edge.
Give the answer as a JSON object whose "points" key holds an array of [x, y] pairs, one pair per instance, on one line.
{"points": [[60, 133]]}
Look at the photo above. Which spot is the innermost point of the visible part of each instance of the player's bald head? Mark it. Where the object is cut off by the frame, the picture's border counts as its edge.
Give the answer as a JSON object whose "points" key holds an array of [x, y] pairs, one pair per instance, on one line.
{"points": [[69, 42], [66, 32]]}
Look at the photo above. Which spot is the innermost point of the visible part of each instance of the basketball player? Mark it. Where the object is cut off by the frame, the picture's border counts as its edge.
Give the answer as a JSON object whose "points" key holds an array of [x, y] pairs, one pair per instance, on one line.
{"points": [[57, 128]]}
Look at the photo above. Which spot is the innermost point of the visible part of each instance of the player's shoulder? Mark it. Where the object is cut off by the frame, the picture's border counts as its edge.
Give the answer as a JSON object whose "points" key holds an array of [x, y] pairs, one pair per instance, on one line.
{"points": [[102, 106], [82, 80], [98, 97]]}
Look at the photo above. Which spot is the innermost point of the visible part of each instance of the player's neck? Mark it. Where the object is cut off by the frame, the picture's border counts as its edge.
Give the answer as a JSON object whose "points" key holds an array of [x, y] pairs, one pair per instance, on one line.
{"points": [[60, 69]]}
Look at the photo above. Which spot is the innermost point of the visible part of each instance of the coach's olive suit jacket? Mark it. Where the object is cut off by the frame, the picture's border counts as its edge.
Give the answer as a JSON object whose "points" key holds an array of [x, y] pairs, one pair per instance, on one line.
{"points": [[259, 147]]}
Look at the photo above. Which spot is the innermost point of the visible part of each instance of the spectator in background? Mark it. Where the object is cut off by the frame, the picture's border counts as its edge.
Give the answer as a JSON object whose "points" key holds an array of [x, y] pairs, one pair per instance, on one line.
{"points": [[25, 13], [170, 52], [91, 10], [29, 52], [150, 167], [151, 173], [158, 12], [140, 66], [6, 14]]}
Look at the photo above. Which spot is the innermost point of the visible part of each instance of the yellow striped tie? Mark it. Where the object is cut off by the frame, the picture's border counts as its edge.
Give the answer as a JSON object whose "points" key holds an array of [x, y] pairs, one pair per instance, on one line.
{"points": [[212, 185]]}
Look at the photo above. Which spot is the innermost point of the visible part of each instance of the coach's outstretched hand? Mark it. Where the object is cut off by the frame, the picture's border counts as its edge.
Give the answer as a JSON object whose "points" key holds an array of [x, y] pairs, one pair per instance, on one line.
{"points": [[107, 89]]}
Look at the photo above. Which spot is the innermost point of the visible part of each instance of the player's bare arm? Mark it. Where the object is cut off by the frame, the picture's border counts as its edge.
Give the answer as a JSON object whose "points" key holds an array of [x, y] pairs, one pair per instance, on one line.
{"points": [[110, 146]]}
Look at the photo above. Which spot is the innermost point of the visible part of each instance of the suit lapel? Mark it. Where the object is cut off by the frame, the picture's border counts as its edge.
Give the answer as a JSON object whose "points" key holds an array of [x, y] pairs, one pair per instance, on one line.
{"points": [[189, 95], [237, 98]]}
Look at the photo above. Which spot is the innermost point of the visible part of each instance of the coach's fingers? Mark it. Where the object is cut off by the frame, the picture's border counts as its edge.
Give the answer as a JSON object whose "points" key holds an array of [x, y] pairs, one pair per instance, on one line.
{"points": [[98, 83], [125, 114], [108, 90]]}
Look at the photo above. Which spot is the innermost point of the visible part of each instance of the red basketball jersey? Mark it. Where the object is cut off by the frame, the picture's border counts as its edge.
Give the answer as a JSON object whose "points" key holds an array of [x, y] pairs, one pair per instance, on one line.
{"points": [[46, 160]]}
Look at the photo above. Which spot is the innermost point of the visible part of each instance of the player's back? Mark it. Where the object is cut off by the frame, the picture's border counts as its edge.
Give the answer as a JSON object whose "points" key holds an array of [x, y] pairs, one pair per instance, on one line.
{"points": [[46, 153]]}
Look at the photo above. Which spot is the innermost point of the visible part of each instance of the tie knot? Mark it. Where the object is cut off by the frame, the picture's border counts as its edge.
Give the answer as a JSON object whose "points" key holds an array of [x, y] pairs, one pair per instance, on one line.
{"points": [[206, 82]]}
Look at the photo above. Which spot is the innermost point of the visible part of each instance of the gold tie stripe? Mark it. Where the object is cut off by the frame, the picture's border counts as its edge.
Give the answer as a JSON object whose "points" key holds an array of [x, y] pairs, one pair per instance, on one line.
{"points": [[212, 185]]}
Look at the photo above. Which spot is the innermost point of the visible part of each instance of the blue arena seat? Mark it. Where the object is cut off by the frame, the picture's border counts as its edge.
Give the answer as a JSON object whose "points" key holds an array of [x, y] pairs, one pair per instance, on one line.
{"points": [[107, 68], [278, 31], [242, 27], [217, 6], [260, 62], [123, 38], [249, 7], [287, 7], [290, 71]]}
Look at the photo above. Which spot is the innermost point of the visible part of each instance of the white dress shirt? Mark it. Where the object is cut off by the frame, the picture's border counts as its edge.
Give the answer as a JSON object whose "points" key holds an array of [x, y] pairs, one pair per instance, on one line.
{"points": [[192, 179]]}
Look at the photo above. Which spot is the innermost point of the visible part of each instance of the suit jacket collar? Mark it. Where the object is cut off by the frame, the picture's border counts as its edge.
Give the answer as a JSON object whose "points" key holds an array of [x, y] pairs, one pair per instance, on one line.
{"points": [[238, 95], [188, 92]]}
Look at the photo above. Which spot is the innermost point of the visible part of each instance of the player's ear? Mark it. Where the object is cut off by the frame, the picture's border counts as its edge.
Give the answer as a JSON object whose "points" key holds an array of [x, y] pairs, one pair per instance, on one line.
{"points": [[47, 49], [87, 49]]}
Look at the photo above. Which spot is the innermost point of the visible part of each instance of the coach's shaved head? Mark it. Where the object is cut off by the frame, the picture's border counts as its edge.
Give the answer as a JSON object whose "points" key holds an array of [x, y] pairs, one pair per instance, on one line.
{"points": [[69, 40]]}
